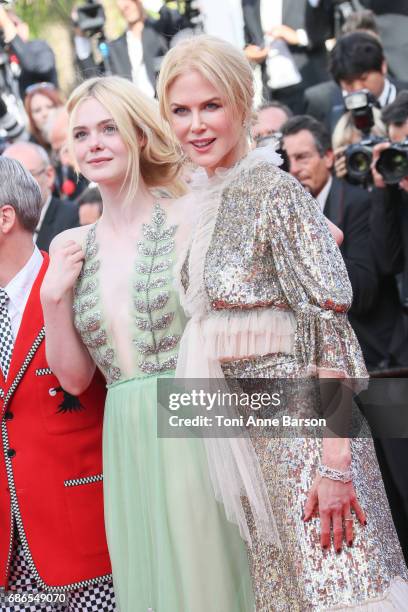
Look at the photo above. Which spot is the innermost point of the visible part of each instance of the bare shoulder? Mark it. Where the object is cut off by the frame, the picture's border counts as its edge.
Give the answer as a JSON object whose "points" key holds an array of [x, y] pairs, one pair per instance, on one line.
{"points": [[76, 234]]}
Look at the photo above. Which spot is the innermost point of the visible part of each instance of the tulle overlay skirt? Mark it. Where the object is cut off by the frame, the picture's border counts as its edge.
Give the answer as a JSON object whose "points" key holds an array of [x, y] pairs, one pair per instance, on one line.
{"points": [[368, 577], [171, 547]]}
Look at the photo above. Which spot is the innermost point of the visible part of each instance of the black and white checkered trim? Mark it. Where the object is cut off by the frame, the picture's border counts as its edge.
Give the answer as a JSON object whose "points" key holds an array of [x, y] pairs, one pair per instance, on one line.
{"points": [[1, 393], [6, 333], [15, 510], [96, 598], [24, 366], [82, 481], [43, 371], [9, 469]]}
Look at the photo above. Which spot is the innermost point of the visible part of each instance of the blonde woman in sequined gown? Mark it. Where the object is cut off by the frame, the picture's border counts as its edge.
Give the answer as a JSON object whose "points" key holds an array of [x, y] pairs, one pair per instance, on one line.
{"points": [[171, 547], [267, 293]]}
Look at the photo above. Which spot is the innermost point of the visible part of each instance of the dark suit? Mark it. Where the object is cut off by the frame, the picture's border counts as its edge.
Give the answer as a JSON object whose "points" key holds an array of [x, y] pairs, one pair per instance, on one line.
{"points": [[325, 102], [389, 238], [311, 61], [154, 47], [59, 217], [375, 295], [391, 17]]}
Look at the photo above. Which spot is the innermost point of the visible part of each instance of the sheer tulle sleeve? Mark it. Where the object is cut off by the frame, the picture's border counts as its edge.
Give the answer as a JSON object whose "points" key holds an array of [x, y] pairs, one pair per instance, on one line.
{"points": [[314, 280]]}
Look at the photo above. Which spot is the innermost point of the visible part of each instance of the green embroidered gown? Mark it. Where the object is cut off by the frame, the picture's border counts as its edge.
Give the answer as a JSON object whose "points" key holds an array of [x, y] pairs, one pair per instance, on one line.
{"points": [[171, 547]]}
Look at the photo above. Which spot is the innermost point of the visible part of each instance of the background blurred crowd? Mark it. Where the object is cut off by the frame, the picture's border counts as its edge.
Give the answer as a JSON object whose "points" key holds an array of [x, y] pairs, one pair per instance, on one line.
{"points": [[332, 92]]}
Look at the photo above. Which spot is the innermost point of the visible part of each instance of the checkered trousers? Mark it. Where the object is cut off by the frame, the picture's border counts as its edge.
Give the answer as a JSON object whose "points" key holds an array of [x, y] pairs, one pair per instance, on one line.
{"points": [[97, 598]]}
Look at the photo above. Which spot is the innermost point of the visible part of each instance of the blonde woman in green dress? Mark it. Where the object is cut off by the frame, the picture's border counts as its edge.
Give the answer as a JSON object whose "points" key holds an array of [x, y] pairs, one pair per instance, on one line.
{"points": [[109, 302]]}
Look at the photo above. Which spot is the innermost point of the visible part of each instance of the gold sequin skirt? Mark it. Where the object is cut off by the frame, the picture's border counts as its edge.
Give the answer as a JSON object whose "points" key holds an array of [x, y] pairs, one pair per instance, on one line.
{"points": [[301, 577]]}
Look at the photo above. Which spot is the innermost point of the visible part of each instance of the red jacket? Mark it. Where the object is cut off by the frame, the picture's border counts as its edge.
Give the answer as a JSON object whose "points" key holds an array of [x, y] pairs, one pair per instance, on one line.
{"points": [[51, 469]]}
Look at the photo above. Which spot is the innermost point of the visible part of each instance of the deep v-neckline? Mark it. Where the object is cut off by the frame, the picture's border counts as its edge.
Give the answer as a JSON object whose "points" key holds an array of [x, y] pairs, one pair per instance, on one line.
{"points": [[152, 307]]}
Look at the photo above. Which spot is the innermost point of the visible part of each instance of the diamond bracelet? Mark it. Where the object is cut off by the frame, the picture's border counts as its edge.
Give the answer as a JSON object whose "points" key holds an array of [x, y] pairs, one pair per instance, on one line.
{"points": [[327, 472]]}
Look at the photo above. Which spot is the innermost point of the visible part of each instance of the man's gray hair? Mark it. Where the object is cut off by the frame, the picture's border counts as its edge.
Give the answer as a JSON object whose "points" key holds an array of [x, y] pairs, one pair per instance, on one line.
{"points": [[19, 189]]}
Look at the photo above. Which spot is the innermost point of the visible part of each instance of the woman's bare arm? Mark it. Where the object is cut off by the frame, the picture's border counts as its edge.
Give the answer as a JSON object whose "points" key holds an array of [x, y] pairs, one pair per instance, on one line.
{"points": [[67, 356]]}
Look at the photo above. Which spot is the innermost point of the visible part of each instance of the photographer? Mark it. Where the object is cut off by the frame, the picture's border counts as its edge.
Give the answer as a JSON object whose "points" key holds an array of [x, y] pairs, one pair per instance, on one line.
{"points": [[355, 134], [357, 62], [389, 218], [389, 238], [391, 17], [36, 59], [135, 55]]}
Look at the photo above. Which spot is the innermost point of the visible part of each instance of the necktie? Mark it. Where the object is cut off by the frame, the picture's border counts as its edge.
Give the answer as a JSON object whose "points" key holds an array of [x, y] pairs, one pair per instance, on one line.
{"points": [[6, 334]]}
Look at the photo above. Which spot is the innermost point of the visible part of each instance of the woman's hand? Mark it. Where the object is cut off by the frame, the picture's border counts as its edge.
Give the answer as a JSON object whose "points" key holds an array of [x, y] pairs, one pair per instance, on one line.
{"points": [[65, 265], [340, 164], [333, 501], [289, 35], [256, 54], [339, 237]]}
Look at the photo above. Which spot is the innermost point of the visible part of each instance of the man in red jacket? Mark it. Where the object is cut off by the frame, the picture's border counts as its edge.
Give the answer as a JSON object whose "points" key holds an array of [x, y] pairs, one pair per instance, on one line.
{"points": [[52, 539]]}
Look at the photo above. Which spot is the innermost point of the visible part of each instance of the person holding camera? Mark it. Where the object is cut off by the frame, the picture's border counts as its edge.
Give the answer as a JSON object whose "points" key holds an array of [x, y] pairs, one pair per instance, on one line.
{"points": [[391, 18], [357, 62], [308, 148], [35, 57], [135, 55], [389, 219], [389, 241]]}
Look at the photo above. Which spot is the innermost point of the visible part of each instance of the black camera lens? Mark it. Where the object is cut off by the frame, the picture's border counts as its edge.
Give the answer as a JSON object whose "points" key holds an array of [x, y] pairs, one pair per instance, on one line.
{"points": [[393, 164], [359, 162]]}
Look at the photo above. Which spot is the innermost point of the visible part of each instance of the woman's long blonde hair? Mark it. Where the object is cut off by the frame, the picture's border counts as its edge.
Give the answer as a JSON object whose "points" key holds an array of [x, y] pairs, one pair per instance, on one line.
{"points": [[153, 151], [220, 63]]}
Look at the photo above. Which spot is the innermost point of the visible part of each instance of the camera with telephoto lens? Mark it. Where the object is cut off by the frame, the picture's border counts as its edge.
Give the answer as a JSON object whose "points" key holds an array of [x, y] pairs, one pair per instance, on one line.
{"points": [[12, 117], [393, 163], [91, 18], [359, 155]]}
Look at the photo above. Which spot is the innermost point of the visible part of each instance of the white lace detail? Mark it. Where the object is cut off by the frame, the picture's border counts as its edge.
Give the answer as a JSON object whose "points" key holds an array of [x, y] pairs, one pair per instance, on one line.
{"points": [[233, 465]]}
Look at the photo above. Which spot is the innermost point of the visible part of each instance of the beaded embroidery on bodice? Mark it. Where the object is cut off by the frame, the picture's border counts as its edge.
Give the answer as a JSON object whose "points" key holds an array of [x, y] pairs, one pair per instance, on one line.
{"points": [[157, 317]]}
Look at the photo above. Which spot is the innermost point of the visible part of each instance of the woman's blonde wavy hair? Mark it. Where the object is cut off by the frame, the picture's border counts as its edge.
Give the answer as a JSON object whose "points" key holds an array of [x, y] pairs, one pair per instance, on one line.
{"points": [[220, 63], [153, 151]]}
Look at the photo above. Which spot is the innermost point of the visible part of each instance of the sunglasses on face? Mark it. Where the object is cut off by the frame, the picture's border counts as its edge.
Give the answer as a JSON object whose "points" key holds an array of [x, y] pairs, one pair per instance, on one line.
{"points": [[40, 87]]}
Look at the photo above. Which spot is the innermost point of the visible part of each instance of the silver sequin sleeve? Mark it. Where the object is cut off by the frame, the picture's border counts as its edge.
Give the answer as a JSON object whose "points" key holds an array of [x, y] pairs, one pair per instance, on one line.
{"points": [[312, 276]]}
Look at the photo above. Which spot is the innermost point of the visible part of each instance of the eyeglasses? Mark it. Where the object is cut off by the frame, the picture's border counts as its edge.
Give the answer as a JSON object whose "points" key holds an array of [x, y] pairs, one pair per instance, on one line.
{"points": [[39, 86]]}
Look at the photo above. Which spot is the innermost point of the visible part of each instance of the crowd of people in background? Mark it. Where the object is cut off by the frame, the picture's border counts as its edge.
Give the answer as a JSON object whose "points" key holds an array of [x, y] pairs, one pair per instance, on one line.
{"points": [[303, 75], [331, 93]]}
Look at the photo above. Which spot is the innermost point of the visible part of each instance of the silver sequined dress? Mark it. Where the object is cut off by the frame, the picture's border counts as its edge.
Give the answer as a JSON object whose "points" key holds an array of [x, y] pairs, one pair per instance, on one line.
{"points": [[262, 259]]}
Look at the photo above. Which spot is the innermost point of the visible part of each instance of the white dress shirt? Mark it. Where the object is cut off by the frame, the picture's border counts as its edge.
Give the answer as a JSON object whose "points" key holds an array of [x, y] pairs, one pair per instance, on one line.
{"points": [[272, 16], [139, 73], [321, 198], [224, 19], [388, 94], [18, 289]]}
